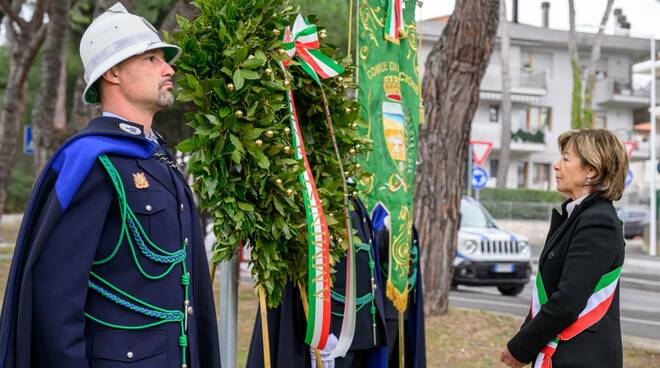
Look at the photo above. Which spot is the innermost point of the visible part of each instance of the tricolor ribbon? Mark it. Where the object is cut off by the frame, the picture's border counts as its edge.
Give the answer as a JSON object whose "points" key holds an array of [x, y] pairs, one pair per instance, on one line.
{"points": [[394, 25], [597, 305], [302, 42]]}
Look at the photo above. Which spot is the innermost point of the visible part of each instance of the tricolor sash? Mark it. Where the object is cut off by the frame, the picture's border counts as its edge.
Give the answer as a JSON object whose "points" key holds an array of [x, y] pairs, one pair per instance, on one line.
{"points": [[597, 305], [394, 24]]}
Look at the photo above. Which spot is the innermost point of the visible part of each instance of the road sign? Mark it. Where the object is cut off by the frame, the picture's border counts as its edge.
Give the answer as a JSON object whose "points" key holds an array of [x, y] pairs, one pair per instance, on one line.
{"points": [[28, 145], [629, 178], [479, 178], [480, 151], [630, 147]]}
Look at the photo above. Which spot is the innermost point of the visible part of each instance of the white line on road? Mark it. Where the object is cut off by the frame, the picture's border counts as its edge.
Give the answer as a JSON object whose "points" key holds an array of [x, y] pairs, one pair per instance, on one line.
{"points": [[491, 302], [505, 304]]}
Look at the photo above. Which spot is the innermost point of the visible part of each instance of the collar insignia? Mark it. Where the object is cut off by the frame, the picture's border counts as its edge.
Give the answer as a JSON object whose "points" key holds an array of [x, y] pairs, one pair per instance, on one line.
{"points": [[130, 129], [140, 180]]}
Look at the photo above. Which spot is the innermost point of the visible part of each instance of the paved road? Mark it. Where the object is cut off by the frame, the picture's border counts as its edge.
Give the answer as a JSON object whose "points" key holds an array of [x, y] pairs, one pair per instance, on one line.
{"points": [[640, 302]]}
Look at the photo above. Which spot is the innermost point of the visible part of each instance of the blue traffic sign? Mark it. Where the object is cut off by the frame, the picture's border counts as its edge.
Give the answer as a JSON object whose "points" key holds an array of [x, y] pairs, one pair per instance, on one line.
{"points": [[28, 145], [629, 178], [479, 178]]}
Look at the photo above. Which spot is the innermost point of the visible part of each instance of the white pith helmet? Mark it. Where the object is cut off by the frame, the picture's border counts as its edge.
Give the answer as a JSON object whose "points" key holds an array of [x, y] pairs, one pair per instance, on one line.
{"points": [[113, 37]]}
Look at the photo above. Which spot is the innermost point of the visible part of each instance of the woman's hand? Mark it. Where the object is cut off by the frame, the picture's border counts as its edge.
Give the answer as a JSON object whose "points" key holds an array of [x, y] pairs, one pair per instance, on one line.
{"points": [[508, 359]]}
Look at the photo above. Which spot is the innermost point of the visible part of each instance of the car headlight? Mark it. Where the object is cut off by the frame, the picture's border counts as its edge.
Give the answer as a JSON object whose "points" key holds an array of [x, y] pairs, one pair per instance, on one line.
{"points": [[524, 246], [470, 246]]}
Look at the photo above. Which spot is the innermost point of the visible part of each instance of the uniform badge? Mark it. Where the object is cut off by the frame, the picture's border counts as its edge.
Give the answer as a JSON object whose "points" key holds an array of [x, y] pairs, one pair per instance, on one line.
{"points": [[140, 180], [130, 129]]}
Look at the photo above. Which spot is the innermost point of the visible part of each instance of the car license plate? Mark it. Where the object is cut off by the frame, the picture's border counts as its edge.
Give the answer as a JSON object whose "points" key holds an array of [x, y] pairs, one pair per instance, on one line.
{"points": [[504, 268]]}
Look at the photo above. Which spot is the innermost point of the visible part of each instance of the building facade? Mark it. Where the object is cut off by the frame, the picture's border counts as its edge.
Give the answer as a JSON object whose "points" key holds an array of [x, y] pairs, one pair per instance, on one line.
{"points": [[541, 80]]}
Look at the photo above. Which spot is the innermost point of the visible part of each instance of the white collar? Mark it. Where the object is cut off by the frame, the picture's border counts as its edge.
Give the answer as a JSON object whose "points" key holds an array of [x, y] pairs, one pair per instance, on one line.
{"points": [[571, 205]]}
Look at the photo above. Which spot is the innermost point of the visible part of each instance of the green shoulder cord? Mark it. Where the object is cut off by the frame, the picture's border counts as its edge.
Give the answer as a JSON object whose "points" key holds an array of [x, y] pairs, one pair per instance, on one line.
{"points": [[366, 298], [132, 230]]}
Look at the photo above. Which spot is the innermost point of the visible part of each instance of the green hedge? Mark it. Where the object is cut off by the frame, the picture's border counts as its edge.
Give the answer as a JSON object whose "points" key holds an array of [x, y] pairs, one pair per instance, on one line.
{"points": [[520, 195]]}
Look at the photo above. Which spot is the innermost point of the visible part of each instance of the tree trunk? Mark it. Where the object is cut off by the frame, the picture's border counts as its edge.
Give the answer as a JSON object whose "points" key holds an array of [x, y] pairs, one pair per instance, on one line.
{"points": [[44, 114], [587, 109], [505, 140], [583, 83], [24, 40], [454, 70], [576, 103]]}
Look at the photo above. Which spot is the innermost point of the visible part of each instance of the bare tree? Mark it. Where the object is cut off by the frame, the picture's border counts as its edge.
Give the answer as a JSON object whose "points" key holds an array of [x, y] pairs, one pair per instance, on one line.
{"points": [[505, 140], [48, 115], [583, 83], [25, 38], [450, 88]]}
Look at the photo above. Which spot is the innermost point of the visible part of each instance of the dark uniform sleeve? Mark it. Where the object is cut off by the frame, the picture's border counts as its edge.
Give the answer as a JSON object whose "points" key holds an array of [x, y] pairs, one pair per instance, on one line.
{"points": [[591, 254], [61, 273]]}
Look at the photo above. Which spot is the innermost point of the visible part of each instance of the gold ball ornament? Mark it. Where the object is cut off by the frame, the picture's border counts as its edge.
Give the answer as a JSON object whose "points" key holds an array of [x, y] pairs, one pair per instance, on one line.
{"points": [[323, 34], [239, 114], [355, 194], [321, 200], [287, 130], [251, 57], [269, 134], [357, 166], [259, 143], [230, 87], [351, 151], [268, 71], [347, 110], [286, 83], [278, 181], [347, 173], [287, 149], [340, 79], [289, 192], [354, 125], [281, 52], [340, 240], [276, 32]]}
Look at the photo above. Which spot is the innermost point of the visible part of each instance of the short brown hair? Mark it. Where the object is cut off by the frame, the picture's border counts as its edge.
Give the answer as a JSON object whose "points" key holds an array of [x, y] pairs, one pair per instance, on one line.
{"points": [[605, 153]]}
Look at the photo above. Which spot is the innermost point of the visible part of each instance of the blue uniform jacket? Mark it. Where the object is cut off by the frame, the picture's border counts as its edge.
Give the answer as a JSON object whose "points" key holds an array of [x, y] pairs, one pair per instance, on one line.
{"points": [[73, 219]]}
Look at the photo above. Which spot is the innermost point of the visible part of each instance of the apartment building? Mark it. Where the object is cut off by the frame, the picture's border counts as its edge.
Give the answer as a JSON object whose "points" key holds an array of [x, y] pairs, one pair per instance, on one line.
{"points": [[541, 79]]}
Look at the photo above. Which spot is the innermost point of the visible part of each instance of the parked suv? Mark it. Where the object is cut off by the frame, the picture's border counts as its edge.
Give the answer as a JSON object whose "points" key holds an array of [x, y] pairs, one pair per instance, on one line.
{"points": [[487, 255]]}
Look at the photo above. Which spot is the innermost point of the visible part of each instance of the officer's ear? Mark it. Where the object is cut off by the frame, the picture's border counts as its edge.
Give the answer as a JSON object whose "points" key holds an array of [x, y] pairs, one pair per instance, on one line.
{"points": [[111, 75]]}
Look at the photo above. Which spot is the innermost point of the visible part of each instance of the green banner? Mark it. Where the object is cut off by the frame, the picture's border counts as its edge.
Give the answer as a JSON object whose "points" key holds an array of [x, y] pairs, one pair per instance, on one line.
{"points": [[391, 105]]}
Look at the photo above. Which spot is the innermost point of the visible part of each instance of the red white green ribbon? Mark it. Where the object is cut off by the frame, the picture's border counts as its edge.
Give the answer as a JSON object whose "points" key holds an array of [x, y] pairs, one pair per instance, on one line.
{"points": [[597, 305], [394, 25], [318, 239], [303, 41]]}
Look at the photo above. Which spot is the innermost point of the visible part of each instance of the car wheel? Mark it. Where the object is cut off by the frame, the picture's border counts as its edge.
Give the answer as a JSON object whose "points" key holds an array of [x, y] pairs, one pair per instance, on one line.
{"points": [[511, 290]]}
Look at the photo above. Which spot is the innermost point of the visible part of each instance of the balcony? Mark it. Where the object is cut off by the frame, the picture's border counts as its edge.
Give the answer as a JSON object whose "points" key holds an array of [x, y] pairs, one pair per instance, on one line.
{"points": [[527, 85], [611, 93], [522, 141]]}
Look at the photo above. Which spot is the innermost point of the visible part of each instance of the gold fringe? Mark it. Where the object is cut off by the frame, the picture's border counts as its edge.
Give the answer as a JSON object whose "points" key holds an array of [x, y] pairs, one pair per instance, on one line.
{"points": [[400, 300], [264, 326], [391, 39]]}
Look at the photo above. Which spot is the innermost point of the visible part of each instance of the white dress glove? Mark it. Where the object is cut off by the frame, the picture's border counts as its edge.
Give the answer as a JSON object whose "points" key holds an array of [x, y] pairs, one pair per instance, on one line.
{"points": [[327, 361]]}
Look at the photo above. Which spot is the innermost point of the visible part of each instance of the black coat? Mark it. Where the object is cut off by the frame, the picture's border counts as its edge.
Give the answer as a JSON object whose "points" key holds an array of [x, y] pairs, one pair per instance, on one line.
{"points": [[578, 251], [72, 219]]}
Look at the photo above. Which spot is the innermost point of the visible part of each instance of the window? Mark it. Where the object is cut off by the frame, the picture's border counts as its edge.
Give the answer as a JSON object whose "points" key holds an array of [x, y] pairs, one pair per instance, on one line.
{"points": [[494, 113], [493, 168], [599, 120], [522, 174], [542, 176], [538, 118]]}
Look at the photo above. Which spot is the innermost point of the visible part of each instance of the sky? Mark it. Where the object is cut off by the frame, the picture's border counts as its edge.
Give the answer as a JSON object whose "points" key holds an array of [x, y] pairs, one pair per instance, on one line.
{"points": [[643, 15]]}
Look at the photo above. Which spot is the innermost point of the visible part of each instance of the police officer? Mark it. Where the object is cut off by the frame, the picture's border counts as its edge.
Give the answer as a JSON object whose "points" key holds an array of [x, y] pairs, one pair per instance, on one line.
{"points": [[109, 268]]}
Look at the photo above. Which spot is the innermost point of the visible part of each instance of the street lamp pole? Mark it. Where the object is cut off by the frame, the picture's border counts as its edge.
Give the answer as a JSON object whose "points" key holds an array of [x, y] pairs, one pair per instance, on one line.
{"points": [[652, 237]]}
